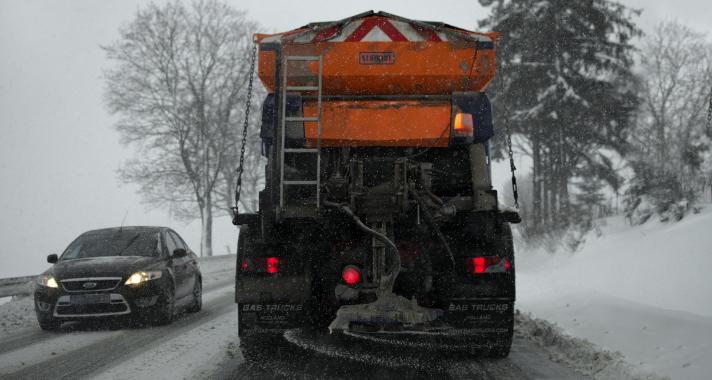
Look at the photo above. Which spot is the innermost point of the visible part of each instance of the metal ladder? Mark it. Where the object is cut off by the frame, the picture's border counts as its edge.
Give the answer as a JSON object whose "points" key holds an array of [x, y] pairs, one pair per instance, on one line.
{"points": [[283, 209]]}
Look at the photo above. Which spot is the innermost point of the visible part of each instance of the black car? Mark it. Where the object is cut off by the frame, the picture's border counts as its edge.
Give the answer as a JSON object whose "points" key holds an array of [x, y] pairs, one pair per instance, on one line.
{"points": [[145, 273]]}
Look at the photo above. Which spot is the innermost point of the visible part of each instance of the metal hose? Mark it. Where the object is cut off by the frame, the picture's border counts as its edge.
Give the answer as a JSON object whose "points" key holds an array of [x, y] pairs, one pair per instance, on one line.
{"points": [[388, 281]]}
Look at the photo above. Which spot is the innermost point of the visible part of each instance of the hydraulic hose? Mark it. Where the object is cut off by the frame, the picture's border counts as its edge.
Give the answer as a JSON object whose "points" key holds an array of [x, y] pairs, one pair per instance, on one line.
{"points": [[388, 281], [434, 226]]}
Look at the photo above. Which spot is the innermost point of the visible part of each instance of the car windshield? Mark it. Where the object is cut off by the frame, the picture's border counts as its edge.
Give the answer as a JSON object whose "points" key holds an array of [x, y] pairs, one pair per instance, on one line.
{"points": [[114, 243]]}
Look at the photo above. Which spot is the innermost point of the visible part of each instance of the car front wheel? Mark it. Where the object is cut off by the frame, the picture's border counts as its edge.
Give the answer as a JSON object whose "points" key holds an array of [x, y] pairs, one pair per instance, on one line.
{"points": [[197, 297], [48, 323], [166, 307]]}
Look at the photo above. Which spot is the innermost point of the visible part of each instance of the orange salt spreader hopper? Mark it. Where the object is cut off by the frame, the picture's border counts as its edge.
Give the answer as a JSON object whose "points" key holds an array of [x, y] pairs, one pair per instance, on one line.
{"points": [[386, 80]]}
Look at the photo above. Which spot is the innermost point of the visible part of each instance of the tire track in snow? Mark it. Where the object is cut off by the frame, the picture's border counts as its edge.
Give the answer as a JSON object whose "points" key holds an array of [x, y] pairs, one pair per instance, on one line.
{"points": [[126, 344]]}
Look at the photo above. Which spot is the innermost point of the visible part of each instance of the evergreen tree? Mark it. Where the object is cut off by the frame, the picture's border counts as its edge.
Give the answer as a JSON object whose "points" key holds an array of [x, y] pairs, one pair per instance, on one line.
{"points": [[565, 85]]}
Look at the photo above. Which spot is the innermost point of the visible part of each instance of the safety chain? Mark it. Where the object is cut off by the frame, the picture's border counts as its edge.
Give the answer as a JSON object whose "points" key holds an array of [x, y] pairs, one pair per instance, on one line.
{"points": [[709, 116], [240, 168], [510, 152]]}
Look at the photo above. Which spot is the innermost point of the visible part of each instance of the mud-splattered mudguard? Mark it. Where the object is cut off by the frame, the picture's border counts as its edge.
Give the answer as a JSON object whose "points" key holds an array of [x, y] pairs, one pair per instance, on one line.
{"points": [[479, 312], [269, 318], [271, 305]]}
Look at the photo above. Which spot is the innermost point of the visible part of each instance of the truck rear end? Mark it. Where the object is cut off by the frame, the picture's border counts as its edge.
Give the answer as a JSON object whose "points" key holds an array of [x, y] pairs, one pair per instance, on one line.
{"points": [[378, 215]]}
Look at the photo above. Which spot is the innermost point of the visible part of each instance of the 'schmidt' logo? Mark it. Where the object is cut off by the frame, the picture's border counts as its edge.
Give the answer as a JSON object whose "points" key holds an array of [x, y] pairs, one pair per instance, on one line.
{"points": [[377, 58]]}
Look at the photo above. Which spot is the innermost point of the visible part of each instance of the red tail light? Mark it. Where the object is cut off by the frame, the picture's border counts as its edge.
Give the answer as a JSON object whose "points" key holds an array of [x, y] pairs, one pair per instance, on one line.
{"points": [[269, 265], [243, 265], [488, 264], [351, 275], [272, 264]]}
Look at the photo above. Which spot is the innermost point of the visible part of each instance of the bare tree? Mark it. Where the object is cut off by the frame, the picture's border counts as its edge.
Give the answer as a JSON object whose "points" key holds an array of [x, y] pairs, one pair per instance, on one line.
{"points": [[670, 143], [677, 67], [178, 85]]}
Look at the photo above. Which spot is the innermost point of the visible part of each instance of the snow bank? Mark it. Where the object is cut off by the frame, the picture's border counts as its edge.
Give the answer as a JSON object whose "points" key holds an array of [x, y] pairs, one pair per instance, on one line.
{"points": [[644, 291], [17, 314], [576, 353]]}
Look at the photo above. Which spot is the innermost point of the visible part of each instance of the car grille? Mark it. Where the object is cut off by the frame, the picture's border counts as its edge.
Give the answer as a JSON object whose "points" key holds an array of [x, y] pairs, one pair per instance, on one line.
{"points": [[90, 284], [91, 305], [105, 308]]}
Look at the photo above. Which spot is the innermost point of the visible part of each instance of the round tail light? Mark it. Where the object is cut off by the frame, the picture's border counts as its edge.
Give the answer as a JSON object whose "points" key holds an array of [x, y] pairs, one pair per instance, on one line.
{"points": [[351, 275]]}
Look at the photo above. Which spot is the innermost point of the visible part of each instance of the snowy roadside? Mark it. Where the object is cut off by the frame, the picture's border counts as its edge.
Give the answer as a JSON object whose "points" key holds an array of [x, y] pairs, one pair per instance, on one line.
{"points": [[19, 313], [578, 354], [642, 291]]}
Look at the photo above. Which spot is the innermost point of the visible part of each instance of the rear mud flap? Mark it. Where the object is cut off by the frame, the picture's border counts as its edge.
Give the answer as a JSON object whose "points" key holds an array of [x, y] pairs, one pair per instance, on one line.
{"points": [[256, 318], [484, 313]]}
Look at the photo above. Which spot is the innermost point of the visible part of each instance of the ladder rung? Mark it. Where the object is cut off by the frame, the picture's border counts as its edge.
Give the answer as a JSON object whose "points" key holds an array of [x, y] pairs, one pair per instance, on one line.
{"points": [[302, 58], [301, 150], [297, 118], [299, 182], [302, 88]]}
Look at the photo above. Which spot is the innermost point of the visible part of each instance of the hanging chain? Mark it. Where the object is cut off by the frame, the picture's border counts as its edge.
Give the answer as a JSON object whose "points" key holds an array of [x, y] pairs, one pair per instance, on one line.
{"points": [[508, 140], [241, 166], [510, 152], [709, 116]]}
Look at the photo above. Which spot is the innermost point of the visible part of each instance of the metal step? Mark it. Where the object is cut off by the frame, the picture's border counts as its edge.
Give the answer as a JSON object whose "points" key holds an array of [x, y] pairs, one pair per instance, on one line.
{"points": [[302, 58], [301, 150], [300, 182], [288, 208], [302, 88], [293, 118]]}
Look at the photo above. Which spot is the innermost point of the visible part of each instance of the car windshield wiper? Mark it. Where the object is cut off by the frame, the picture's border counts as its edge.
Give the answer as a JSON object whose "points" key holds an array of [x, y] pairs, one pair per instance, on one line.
{"points": [[133, 239]]}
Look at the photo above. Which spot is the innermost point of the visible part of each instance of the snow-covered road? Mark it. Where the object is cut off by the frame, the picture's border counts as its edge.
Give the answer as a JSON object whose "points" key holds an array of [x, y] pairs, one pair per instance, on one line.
{"points": [[205, 345]]}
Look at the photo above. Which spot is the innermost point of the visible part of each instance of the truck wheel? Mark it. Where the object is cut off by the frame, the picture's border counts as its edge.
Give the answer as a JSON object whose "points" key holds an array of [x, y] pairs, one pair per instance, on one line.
{"points": [[48, 323]]}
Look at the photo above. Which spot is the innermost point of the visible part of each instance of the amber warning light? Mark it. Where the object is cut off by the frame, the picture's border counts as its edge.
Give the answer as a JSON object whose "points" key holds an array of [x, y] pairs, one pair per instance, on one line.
{"points": [[463, 125]]}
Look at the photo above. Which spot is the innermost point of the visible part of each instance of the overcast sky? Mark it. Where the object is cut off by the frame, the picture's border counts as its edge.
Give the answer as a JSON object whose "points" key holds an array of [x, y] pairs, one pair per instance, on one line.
{"points": [[58, 150]]}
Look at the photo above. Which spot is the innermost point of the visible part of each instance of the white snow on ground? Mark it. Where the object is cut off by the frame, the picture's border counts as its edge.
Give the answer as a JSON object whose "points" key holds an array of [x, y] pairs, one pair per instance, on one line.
{"points": [[644, 291], [17, 314], [577, 353], [192, 355], [36, 353]]}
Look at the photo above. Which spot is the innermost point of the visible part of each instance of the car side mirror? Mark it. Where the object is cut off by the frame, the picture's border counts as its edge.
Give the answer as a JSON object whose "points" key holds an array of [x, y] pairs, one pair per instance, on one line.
{"points": [[52, 258], [179, 252]]}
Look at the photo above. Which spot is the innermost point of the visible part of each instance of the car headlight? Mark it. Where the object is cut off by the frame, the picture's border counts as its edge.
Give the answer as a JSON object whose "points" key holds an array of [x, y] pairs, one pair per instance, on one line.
{"points": [[140, 277], [48, 281]]}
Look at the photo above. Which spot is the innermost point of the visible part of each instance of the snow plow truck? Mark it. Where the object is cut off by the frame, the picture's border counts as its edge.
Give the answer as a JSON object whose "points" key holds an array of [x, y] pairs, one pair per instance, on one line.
{"points": [[378, 215]]}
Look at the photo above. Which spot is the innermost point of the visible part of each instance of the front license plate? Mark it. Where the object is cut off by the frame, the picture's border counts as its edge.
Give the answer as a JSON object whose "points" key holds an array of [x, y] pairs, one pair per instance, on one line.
{"points": [[89, 299]]}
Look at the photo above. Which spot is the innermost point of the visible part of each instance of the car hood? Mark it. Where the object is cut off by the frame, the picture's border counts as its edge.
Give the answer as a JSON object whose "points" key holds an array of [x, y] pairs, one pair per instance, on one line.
{"points": [[112, 266]]}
